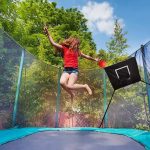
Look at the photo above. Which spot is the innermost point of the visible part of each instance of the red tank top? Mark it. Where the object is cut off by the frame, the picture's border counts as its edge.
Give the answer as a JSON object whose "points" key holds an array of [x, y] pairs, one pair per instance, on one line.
{"points": [[70, 58]]}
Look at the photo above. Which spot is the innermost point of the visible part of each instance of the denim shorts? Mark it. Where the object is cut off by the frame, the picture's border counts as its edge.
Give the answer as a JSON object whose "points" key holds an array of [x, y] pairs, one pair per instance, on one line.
{"points": [[70, 70]]}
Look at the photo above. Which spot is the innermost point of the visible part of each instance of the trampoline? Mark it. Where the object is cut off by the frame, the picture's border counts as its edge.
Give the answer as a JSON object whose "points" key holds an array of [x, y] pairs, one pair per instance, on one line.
{"points": [[74, 139]]}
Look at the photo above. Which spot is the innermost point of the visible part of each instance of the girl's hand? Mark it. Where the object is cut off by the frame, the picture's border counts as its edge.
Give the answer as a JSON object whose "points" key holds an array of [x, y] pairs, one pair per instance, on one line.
{"points": [[46, 30], [97, 59]]}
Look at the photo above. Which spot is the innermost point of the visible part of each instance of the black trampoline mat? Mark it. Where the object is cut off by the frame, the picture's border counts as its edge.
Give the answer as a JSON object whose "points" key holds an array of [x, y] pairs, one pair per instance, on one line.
{"points": [[73, 140]]}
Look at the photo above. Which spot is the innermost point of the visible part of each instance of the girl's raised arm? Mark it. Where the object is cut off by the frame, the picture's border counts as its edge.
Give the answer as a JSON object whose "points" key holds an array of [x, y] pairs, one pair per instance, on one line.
{"points": [[58, 46], [89, 57]]}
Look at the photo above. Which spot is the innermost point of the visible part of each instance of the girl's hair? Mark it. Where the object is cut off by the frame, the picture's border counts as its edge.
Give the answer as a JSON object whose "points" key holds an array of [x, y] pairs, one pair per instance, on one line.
{"points": [[72, 43]]}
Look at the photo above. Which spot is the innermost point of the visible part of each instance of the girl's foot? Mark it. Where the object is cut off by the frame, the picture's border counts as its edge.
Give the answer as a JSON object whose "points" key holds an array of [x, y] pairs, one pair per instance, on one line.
{"points": [[88, 89]]}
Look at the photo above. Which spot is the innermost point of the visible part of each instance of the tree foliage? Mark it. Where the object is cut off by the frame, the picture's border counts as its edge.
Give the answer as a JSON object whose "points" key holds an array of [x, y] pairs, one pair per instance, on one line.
{"points": [[25, 20], [118, 44]]}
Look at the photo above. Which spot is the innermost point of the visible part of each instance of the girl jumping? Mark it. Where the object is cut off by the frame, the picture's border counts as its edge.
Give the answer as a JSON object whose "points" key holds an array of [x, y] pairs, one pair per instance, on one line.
{"points": [[71, 52]]}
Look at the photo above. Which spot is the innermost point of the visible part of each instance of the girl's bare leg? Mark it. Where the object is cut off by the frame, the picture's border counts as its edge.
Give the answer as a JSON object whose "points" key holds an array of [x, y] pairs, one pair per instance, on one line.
{"points": [[64, 81], [73, 86], [72, 79]]}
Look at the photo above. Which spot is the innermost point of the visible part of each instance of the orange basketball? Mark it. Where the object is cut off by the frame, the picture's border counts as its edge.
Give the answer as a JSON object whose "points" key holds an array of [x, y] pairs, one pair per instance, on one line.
{"points": [[102, 64]]}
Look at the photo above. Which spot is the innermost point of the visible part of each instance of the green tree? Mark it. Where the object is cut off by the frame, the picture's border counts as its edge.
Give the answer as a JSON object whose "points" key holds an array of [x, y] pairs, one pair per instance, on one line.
{"points": [[117, 44], [25, 21]]}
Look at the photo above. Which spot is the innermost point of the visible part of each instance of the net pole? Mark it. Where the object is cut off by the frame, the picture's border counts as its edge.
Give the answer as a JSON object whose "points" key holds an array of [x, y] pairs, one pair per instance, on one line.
{"points": [[105, 99], [146, 75], [58, 100], [18, 90]]}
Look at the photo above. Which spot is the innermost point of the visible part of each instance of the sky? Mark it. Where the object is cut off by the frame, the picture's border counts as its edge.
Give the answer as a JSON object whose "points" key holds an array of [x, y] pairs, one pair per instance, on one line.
{"points": [[133, 16]]}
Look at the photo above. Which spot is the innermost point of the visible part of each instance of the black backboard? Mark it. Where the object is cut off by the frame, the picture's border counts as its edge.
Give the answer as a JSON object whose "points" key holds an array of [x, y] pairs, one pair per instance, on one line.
{"points": [[123, 73]]}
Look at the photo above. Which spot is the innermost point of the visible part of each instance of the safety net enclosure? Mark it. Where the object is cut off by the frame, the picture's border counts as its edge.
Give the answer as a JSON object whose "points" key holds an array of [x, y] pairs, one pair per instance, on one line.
{"points": [[35, 113], [133, 101]]}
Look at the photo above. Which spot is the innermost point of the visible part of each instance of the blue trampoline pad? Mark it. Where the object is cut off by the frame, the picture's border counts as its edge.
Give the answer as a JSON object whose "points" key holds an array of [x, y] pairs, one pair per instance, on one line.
{"points": [[74, 139]]}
